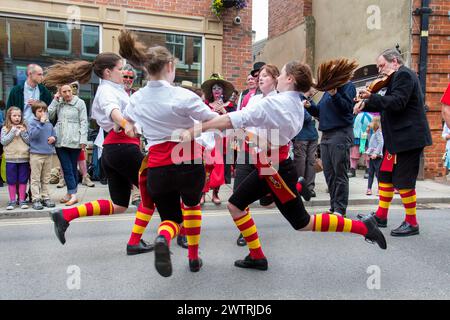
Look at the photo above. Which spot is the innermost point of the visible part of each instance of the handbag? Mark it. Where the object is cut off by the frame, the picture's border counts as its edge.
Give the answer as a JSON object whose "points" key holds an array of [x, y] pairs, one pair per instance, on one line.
{"points": [[318, 166]]}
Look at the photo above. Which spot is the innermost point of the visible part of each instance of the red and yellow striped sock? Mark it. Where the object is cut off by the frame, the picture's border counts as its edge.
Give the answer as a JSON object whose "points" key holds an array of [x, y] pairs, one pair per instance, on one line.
{"points": [[386, 194], [332, 223], [94, 208], [409, 202], [192, 221], [169, 229], [248, 229], [143, 217]]}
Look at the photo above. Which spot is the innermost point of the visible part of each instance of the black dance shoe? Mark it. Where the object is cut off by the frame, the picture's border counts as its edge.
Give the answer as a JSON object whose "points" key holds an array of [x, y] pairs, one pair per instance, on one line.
{"points": [[241, 241], [195, 264], [405, 230], [162, 257], [250, 263], [381, 223], [373, 233], [182, 241], [142, 247], [60, 225]]}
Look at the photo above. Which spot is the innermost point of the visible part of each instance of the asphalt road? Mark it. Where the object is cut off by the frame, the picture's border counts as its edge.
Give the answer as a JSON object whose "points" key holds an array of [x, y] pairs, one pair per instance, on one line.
{"points": [[93, 263]]}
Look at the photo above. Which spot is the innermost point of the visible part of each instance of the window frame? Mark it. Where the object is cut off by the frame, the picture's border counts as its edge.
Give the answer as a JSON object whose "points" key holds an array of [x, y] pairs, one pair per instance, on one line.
{"points": [[180, 61], [86, 54], [195, 66], [56, 51], [51, 19]]}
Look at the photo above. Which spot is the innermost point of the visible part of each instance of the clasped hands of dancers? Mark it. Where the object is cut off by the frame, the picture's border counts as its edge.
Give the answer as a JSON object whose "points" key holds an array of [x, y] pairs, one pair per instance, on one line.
{"points": [[174, 185]]}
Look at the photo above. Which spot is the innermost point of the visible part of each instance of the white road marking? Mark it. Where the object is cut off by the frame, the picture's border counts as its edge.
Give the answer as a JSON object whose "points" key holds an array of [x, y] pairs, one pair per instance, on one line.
{"points": [[131, 216]]}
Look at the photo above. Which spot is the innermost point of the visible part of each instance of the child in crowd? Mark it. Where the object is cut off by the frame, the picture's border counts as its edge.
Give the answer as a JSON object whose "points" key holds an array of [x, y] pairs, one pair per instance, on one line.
{"points": [[15, 141], [42, 140], [446, 158], [374, 152]]}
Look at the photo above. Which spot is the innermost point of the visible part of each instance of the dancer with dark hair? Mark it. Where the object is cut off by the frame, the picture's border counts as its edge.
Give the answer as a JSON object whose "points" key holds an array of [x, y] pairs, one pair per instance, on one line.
{"points": [[109, 103], [283, 112]]}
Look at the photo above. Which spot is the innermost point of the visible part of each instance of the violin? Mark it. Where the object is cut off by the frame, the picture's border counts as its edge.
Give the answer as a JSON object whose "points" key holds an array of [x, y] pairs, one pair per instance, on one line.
{"points": [[382, 81]]}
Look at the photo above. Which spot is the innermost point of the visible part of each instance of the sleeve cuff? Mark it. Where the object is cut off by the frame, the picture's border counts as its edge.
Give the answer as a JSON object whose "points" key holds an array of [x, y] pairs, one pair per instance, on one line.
{"points": [[109, 109], [236, 119]]}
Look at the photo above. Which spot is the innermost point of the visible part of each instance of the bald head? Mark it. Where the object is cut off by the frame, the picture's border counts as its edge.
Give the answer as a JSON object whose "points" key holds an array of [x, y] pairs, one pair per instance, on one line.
{"points": [[35, 74]]}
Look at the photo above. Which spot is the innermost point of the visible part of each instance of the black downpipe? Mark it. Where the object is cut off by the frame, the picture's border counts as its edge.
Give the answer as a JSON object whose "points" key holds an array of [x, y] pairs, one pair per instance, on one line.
{"points": [[424, 12]]}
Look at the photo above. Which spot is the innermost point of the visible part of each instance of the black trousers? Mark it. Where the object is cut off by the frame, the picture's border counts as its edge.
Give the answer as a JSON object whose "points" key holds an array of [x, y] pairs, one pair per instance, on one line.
{"points": [[121, 163], [335, 155], [242, 169], [404, 174], [167, 184], [253, 188]]}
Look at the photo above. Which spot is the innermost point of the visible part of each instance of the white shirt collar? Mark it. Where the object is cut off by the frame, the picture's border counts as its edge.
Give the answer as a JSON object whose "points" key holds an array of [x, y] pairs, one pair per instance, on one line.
{"points": [[294, 94], [113, 84], [28, 87], [271, 93], [158, 83]]}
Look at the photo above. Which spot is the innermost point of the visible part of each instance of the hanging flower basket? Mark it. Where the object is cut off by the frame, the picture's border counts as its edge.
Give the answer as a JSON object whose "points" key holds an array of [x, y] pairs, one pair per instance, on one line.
{"points": [[228, 3], [219, 6]]}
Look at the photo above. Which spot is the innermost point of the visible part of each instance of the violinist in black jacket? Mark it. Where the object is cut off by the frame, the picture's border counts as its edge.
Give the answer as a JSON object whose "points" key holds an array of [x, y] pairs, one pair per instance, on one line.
{"points": [[405, 131]]}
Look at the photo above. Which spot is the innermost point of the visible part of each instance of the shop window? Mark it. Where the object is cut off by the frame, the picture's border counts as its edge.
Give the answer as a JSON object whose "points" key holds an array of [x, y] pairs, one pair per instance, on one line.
{"points": [[197, 50], [58, 38], [186, 48], [42, 41], [176, 45], [89, 40]]}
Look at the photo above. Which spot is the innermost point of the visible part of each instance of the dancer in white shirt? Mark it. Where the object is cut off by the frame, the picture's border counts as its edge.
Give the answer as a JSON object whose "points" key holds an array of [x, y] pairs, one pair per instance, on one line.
{"points": [[175, 171], [267, 85], [283, 112], [109, 103]]}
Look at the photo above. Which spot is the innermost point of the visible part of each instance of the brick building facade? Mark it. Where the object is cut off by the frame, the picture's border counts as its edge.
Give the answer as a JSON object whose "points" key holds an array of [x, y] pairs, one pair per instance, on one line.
{"points": [[224, 46], [438, 77], [327, 29], [237, 40]]}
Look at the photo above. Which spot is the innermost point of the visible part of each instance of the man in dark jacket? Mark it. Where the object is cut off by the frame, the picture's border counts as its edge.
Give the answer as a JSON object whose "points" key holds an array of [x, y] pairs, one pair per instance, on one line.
{"points": [[23, 96], [335, 113], [405, 131]]}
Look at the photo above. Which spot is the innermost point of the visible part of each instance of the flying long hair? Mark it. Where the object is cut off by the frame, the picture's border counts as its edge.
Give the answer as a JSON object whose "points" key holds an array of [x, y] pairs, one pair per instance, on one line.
{"points": [[63, 72], [140, 56], [335, 73]]}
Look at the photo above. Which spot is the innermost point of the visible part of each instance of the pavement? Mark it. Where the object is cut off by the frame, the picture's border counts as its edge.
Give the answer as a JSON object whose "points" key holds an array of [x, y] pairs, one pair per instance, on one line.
{"points": [[429, 192]]}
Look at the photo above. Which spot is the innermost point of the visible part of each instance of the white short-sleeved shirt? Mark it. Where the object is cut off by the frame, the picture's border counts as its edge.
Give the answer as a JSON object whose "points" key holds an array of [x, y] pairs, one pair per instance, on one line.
{"points": [[161, 110], [253, 101], [109, 96], [279, 118]]}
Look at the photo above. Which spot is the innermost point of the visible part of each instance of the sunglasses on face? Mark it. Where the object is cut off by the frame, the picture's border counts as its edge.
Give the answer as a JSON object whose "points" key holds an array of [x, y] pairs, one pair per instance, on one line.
{"points": [[128, 77]]}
